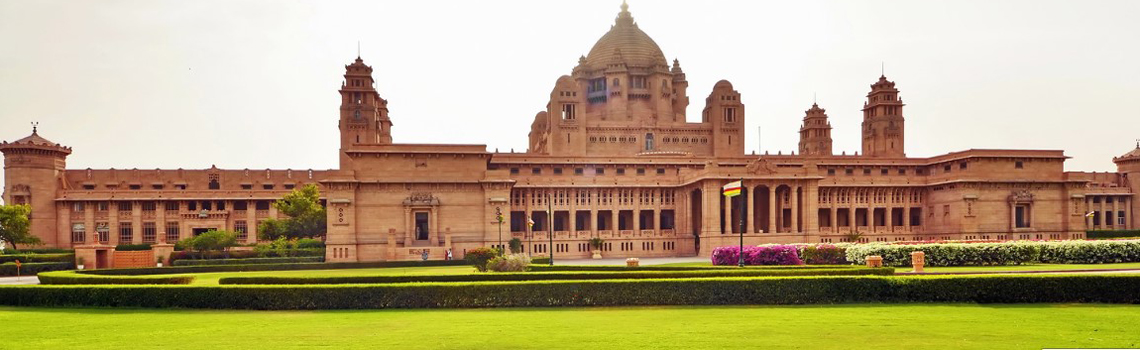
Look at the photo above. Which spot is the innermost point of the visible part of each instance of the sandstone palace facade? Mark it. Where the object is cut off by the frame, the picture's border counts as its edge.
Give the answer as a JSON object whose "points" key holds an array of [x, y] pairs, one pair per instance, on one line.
{"points": [[613, 156]]}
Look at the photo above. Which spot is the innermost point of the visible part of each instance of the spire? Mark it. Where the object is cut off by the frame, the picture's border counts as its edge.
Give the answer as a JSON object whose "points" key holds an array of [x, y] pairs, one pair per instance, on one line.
{"points": [[624, 17], [35, 125]]}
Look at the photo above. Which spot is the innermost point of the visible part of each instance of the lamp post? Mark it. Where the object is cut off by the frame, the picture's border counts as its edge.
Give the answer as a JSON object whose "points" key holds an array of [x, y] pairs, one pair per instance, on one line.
{"points": [[499, 218]]}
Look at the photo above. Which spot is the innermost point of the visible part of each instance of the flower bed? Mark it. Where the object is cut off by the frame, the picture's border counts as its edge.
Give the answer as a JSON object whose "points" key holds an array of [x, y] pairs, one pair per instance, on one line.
{"points": [[1005, 253], [758, 255]]}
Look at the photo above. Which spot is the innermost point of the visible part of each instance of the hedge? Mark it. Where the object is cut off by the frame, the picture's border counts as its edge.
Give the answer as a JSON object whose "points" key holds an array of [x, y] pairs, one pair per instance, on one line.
{"points": [[271, 267], [73, 277], [243, 254], [39, 251], [704, 291], [299, 259], [1006, 253], [9, 269], [36, 258], [553, 276], [1109, 234], [132, 247], [681, 268]]}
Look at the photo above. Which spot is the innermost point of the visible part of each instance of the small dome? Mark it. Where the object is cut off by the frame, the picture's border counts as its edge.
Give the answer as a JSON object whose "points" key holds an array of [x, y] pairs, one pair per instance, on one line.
{"points": [[627, 42], [35, 139], [1133, 154]]}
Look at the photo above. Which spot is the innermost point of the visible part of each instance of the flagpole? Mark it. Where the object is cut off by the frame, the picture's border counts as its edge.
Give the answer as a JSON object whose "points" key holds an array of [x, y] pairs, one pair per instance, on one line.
{"points": [[740, 214]]}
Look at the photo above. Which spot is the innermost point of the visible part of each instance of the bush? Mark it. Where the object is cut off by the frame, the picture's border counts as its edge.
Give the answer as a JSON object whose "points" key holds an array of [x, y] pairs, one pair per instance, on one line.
{"points": [[540, 260], [304, 243], [39, 251], [823, 254], [515, 245], [555, 276], [74, 277], [304, 259], [243, 254], [28, 269], [37, 258], [1109, 234], [270, 267], [509, 263], [479, 257], [1005, 253], [695, 291], [758, 255], [132, 247]]}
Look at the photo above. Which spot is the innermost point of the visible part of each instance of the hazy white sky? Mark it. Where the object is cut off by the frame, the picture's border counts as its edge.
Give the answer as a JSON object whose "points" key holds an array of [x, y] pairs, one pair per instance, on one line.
{"points": [[252, 84]]}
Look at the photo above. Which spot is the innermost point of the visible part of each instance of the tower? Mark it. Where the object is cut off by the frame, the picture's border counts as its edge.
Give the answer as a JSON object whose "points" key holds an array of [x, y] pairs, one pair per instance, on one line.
{"points": [[815, 134], [883, 121], [33, 174], [725, 114], [1128, 166], [363, 114]]}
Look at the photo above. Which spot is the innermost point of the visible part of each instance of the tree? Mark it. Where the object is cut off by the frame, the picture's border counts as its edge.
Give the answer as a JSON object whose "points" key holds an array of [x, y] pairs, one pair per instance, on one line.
{"points": [[14, 225], [307, 218], [210, 240], [516, 245]]}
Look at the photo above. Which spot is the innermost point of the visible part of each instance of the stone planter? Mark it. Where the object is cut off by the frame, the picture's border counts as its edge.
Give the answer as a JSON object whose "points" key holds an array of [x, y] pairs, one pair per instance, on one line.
{"points": [[159, 264], [79, 267], [597, 254]]}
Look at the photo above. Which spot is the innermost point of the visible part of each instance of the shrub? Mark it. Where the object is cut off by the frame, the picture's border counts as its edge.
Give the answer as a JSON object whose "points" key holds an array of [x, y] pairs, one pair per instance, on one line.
{"points": [[543, 260], [304, 259], [213, 240], [74, 277], [479, 257], [37, 258], [1005, 253], [304, 243], [509, 263], [596, 243], [823, 254], [38, 251], [757, 255], [28, 269], [515, 245], [132, 247], [554, 276], [695, 291], [270, 267], [1109, 234]]}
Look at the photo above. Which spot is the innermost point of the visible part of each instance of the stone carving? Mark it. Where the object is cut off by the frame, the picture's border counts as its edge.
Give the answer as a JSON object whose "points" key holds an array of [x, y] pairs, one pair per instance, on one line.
{"points": [[421, 198], [21, 189], [761, 166], [1021, 196]]}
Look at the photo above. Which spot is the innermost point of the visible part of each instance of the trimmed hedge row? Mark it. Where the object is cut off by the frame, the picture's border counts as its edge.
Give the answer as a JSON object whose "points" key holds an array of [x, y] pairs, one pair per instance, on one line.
{"points": [[271, 267], [1109, 234], [132, 247], [73, 277], [38, 251], [705, 291], [554, 276], [250, 261], [1005, 253], [683, 268], [9, 269], [37, 258], [244, 254]]}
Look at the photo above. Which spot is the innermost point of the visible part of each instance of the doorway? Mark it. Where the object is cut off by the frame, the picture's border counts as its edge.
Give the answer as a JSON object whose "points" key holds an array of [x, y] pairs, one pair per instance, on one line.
{"points": [[421, 226]]}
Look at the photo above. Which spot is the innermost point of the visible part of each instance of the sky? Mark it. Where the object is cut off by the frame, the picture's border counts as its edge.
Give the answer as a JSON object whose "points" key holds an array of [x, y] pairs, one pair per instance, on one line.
{"points": [[253, 84]]}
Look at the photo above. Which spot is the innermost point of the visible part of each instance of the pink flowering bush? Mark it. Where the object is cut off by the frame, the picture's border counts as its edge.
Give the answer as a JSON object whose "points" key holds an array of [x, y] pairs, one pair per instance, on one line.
{"points": [[758, 255]]}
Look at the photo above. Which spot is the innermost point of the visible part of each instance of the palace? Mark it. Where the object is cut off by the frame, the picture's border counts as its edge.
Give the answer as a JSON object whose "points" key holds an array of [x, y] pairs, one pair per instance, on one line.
{"points": [[613, 156]]}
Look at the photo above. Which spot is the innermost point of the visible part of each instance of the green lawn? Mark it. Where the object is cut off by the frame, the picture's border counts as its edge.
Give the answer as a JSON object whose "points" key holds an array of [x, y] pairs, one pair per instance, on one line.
{"points": [[869, 326], [212, 277]]}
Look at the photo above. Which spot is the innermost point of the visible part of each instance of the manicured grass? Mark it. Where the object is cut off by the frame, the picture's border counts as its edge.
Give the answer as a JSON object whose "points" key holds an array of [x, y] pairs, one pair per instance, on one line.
{"points": [[212, 277], [907, 326]]}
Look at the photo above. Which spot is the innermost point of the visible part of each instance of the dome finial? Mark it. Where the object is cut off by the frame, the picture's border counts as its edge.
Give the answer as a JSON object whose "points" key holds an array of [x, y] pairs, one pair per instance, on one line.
{"points": [[624, 17], [35, 125]]}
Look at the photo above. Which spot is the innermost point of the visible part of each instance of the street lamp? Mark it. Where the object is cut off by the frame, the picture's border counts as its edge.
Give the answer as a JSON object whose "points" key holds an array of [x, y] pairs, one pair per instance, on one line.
{"points": [[499, 218]]}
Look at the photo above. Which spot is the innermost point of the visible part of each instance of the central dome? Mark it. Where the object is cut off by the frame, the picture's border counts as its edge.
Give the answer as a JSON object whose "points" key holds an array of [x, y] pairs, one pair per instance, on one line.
{"points": [[625, 43]]}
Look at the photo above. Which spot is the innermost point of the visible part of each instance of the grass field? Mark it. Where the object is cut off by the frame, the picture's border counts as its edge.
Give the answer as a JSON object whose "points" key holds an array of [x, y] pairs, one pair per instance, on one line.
{"points": [[1027, 267], [869, 326]]}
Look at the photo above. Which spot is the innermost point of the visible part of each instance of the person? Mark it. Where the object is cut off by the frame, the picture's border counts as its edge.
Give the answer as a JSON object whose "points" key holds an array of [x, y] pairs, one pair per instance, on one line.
{"points": [[424, 254], [448, 253]]}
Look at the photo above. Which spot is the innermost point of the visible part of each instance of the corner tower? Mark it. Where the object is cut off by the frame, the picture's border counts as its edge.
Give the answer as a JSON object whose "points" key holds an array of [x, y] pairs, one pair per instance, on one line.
{"points": [[363, 114], [1128, 166], [33, 175], [883, 121], [815, 134]]}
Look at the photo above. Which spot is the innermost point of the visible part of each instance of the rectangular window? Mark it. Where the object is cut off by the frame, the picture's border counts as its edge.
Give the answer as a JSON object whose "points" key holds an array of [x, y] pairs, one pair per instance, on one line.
{"points": [[267, 186], [78, 232], [172, 232], [156, 186], [104, 231], [849, 171], [830, 171], [124, 206], [884, 171], [1018, 165], [578, 171], [729, 114], [247, 186], [134, 186], [77, 207], [600, 171], [640, 171], [149, 232], [103, 206], [1021, 216], [261, 205], [241, 229], [1120, 217], [568, 111], [289, 186], [637, 82], [946, 168], [126, 233], [902, 171], [172, 206], [180, 187], [514, 171], [149, 206], [660, 171], [621, 171], [89, 187], [240, 205], [557, 171], [866, 171], [536, 171], [962, 165]]}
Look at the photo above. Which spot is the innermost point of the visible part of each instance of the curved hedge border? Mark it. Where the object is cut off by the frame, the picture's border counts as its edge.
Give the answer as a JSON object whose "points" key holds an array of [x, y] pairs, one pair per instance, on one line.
{"points": [[74, 277], [250, 261], [272, 267], [9, 269], [554, 276], [37, 258], [706, 291], [534, 267], [1005, 253]]}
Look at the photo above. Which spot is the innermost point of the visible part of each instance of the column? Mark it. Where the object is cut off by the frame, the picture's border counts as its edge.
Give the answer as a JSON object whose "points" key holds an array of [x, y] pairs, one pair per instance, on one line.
{"points": [[88, 223], [795, 207], [160, 222], [572, 202], [1115, 212], [638, 196], [409, 227], [752, 209], [251, 220], [614, 227], [889, 216], [851, 197], [136, 222], [1088, 208], [772, 209], [834, 213], [728, 215]]}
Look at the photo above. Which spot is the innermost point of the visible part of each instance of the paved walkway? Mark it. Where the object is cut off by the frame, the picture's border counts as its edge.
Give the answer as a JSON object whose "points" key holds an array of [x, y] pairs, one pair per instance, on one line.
{"points": [[7, 281], [621, 261]]}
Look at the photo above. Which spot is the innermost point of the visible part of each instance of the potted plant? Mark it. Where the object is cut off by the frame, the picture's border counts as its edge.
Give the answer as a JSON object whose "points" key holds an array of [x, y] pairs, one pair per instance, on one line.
{"points": [[160, 259], [79, 263], [596, 244]]}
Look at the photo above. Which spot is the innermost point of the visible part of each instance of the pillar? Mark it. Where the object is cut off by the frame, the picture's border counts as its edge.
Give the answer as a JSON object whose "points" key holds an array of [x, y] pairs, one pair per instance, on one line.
{"points": [[795, 207], [751, 205], [136, 222], [728, 215], [772, 209], [251, 221]]}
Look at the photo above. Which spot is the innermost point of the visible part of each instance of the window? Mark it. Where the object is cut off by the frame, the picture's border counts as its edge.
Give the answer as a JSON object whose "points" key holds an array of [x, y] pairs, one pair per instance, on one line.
{"points": [[577, 171], [962, 166], [660, 171], [149, 206], [149, 232], [172, 206], [126, 233], [536, 171], [241, 229], [240, 205], [89, 187], [1120, 217], [568, 111], [946, 168], [180, 187], [902, 171], [103, 230], [192, 206], [290, 186], [637, 82], [514, 171], [557, 171], [884, 171], [600, 171], [172, 232], [103, 206], [1018, 165], [134, 186], [729, 114], [1021, 216], [156, 186], [621, 171], [849, 171], [124, 206], [261, 205], [247, 186], [214, 184], [640, 171], [267, 186], [78, 233], [866, 171], [77, 207]]}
